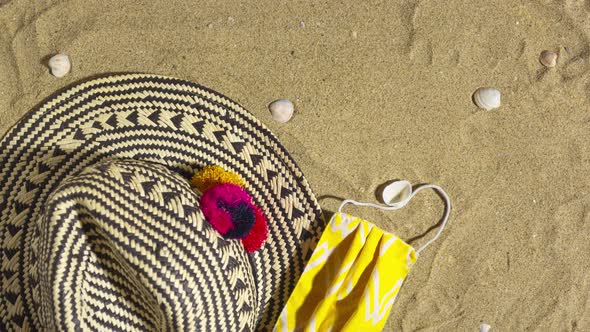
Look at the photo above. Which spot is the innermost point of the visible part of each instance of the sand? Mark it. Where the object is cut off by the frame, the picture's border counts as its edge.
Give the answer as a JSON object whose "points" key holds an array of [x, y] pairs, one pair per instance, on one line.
{"points": [[382, 91]]}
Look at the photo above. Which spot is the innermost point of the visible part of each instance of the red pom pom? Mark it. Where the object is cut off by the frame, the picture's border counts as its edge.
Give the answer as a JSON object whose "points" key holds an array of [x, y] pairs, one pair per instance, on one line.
{"points": [[255, 239]]}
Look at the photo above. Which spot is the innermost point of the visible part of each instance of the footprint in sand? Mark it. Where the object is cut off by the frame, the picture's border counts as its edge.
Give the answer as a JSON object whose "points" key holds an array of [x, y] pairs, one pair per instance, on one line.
{"points": [[421, 52], [575, 66], [571, 219], [419, 48], [576, 61]]}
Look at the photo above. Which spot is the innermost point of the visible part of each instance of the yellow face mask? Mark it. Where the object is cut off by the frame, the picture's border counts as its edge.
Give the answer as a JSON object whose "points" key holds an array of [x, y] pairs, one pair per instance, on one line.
{"points": [[354, 275]]}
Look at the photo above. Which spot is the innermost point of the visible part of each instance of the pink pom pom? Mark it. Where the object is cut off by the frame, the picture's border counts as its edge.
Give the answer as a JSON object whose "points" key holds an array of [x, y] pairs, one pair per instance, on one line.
{"points": [[229, 210]]}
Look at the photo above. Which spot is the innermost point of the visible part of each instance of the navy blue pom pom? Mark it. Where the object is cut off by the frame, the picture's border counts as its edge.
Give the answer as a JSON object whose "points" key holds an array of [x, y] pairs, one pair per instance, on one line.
{"points": [[243, 217]]}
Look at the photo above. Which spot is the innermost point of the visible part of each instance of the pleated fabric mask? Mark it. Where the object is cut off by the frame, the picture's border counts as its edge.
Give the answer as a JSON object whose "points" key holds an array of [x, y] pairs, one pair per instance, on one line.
{"points": [[354, 275]]}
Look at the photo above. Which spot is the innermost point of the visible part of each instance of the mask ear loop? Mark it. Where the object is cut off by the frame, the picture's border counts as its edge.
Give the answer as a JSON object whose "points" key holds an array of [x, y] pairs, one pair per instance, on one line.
{"points": [[401, 204]]}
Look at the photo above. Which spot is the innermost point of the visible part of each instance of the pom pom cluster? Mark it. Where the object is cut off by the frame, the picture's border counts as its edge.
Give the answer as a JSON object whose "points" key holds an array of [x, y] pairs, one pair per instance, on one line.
{"points": [[229, 208]]}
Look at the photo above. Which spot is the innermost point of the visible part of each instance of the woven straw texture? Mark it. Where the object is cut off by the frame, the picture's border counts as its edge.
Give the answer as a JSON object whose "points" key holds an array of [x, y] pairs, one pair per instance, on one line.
{"points": [[100, 229]]}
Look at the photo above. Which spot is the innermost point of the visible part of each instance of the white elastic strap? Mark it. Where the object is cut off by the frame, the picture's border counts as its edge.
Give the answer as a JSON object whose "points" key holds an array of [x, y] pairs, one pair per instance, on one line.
{"points": [[397, 206]]}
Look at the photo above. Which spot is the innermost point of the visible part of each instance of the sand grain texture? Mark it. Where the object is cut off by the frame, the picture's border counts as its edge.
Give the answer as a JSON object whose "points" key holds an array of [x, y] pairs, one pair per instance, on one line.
{"points": [[382, 90]]}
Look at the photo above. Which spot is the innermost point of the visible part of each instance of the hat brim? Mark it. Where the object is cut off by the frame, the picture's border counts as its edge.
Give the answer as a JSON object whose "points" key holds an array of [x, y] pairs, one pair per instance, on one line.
{"points": [[173, 122]]}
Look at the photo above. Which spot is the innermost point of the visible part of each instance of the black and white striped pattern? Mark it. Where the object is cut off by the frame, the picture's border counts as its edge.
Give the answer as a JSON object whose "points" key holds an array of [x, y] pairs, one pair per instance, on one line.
{"points": [[100, 230]]}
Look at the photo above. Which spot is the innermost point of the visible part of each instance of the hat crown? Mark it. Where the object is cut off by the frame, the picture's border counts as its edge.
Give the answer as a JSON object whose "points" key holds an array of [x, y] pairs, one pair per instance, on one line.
{"points": [[120, 239]]}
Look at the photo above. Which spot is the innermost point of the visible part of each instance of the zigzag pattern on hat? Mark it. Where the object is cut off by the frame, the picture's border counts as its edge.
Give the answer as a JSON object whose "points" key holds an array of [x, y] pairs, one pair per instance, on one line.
{"points": [[140, 256], [182, 127]]}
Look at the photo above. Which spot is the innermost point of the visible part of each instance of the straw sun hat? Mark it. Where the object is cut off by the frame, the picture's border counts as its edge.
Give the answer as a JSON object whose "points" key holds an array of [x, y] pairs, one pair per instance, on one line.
{"points": [[101, 230]]}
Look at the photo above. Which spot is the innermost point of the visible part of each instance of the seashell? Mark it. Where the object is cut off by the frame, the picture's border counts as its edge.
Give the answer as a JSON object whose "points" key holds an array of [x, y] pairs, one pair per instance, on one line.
{"points": [[60, 65], [548, 58], [397, 193], [487, 98], [281, 110], [484, 327]]}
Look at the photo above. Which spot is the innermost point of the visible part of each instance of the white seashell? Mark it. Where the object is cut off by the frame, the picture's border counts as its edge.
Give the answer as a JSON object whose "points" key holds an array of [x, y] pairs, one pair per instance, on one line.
{"points": [[484, 327], [60, 65], [487, 98], [397, 193], [548, 58], [281, 110]]}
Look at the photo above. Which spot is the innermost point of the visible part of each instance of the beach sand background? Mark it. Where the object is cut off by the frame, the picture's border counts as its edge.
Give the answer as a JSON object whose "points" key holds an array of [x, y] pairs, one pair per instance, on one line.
{"points": [[382, 91]]}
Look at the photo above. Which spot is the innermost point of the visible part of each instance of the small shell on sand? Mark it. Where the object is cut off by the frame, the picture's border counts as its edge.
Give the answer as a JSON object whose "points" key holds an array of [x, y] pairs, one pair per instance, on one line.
{"points": [[281, 110], [60, 65], [397, 193], [487, 98], [484, 327], [548, 58]]}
